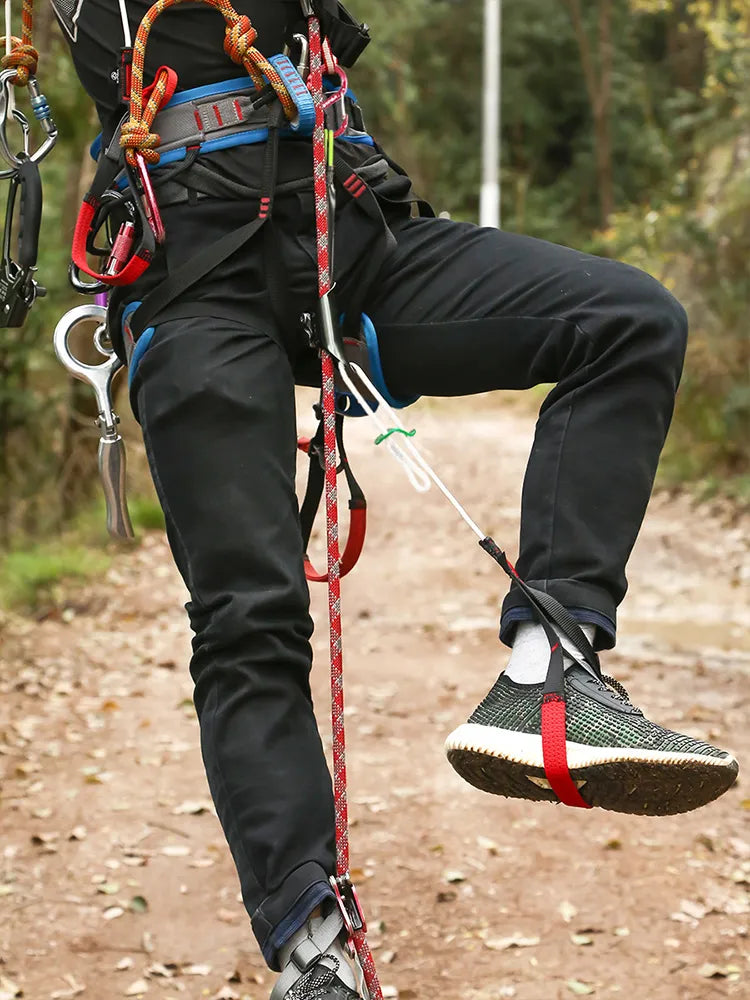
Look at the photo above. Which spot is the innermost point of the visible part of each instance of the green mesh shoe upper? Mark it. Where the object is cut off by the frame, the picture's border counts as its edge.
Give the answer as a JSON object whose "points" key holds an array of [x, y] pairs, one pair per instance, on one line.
{"points": [[596, 716]]}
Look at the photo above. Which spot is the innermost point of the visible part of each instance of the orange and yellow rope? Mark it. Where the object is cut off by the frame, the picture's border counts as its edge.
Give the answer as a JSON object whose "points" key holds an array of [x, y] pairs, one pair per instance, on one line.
{"points": [[239, 39], [23, 57]]}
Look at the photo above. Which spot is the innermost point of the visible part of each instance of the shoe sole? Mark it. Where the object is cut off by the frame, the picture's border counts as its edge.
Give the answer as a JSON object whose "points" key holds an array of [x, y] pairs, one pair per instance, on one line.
{"points": [[623, 779]]}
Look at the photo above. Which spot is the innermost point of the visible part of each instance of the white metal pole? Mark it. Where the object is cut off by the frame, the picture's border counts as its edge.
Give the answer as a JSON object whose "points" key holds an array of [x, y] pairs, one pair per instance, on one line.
{"points": [[489, 201]]}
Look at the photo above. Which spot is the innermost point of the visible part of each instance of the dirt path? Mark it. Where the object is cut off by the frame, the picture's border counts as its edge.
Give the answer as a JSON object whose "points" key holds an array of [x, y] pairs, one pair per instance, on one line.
{"points": [[115, 879]]}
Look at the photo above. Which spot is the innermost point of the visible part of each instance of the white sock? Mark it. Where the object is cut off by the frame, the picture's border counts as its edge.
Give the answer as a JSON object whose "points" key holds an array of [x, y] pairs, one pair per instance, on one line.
{"points": [[529, 657]]}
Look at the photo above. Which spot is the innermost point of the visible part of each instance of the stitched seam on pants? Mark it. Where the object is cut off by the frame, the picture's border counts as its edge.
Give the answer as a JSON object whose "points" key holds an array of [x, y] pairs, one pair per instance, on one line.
{"points": [[220, 776], [161, 493], [550, 546]]}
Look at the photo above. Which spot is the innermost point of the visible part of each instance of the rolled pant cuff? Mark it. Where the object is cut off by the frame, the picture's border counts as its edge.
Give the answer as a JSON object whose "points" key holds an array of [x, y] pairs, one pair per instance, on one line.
{"points": [[588, 605], [286, 910]]}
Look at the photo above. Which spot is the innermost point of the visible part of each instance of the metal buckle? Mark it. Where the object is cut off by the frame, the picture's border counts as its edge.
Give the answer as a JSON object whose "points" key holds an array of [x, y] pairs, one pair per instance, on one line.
{"points": [[349, 905]]}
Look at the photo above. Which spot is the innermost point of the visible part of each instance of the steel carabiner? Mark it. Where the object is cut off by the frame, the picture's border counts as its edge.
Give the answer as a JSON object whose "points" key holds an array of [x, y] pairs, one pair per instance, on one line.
{"points": [[100, 378], [42, 113]]}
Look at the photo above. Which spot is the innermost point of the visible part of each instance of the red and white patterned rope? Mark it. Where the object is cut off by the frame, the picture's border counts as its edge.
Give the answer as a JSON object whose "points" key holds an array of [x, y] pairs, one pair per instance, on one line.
{"points": [[315, 86]]}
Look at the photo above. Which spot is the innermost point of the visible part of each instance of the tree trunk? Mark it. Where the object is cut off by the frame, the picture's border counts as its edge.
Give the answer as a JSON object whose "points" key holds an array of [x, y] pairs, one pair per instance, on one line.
{"points": [[597, 72]]}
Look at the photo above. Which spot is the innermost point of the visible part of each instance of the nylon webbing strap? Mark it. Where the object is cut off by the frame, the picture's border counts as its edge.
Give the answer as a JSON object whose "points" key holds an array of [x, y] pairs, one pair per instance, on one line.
{"points": [[553, 724], [307, 952], [314, 492], [191, 272]]}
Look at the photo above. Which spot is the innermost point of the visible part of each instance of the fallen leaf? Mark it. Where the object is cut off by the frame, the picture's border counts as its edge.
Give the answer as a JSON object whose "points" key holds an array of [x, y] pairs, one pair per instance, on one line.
{"points": [[196, 970], [9, 989], [581, 939], [516, 941], [191, 808], [175, 850], [578, 988], [451, 875], [138, 904], [109, 888], [137, 989], [567, 911], [488, 845], [693, 909], [162, 971], [226, 993], [709, 971], [44, 839], [74, 989]]}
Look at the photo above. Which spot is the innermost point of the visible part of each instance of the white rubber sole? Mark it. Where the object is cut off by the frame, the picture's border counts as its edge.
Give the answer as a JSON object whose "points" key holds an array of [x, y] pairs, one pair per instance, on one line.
{"points": [[526, 748]]}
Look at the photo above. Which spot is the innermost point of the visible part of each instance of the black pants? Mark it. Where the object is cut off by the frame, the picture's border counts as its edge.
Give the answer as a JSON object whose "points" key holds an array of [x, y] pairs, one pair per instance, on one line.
{"points": [[458, 310]]}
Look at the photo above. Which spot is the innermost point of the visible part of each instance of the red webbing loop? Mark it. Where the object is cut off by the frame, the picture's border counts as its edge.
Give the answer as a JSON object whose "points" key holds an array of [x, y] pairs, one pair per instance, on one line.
{"points": [[555, 753], [355, 542], [134, 268]]}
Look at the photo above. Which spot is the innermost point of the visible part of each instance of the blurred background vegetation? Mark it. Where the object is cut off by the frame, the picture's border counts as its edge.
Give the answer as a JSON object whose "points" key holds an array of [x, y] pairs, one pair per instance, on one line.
{"points": [[626, 132]]}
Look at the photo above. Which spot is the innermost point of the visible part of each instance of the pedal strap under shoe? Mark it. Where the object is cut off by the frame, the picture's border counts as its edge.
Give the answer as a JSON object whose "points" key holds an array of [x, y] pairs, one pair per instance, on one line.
{"points": [[551, 613], [307, 953]]}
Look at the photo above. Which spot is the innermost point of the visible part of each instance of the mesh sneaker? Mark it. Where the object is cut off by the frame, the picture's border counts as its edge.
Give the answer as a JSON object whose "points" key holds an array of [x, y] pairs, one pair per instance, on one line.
{"points": [[315, 964], [616, 757], [322, 983]]}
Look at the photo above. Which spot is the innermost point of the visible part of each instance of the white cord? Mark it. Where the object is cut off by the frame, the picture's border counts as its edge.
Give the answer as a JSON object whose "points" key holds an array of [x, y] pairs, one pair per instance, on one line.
{"points": [[125, 24], [418, 470], [8, 46]]}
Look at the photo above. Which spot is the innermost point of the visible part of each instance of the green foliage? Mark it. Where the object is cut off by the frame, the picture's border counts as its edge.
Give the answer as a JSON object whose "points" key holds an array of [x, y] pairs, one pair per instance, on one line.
{"points": [[146, 514], [33, 579], [678, 115]]}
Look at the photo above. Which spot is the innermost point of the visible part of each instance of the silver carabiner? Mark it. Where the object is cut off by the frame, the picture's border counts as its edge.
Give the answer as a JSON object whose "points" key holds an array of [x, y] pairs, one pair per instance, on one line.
{"points": [[100, 377], [42, 113]]}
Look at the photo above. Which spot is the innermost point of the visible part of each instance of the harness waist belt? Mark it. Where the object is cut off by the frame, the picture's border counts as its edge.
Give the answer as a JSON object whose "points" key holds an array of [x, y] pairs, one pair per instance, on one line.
{"points": [[221, 115]]}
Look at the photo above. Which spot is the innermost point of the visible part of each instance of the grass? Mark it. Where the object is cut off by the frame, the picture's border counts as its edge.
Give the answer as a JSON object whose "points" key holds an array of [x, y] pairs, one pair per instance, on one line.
{"points": [[35, 577], [42, 574]]}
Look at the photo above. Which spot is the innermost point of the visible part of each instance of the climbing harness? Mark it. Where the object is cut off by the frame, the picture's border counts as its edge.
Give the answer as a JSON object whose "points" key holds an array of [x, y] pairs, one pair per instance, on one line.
{"points": [[18, 286]]}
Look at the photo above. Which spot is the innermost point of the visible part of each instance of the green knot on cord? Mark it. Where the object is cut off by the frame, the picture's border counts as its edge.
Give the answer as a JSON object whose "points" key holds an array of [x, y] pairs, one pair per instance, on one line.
{"points": [[394, 430]]}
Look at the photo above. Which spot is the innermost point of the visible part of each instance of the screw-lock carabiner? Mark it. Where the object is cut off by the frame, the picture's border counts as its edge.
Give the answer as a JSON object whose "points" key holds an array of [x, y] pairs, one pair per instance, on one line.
{"points": [[42, 113]]}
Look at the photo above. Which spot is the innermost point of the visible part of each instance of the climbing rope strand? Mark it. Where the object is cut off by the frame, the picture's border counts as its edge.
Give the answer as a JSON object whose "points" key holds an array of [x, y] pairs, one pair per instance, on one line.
{"points": [[239, 39], [127, 37], [410, 455], [20, 53], [328, 400]]}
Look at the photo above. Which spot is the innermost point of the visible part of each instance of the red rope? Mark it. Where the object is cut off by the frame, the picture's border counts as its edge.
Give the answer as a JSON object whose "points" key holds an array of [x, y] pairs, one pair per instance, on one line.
{"points": [[315, 86]]}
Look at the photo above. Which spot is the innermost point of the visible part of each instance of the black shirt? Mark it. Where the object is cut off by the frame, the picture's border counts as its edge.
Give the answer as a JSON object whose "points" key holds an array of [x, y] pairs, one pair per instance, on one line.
{"points": [[189, 38]]}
